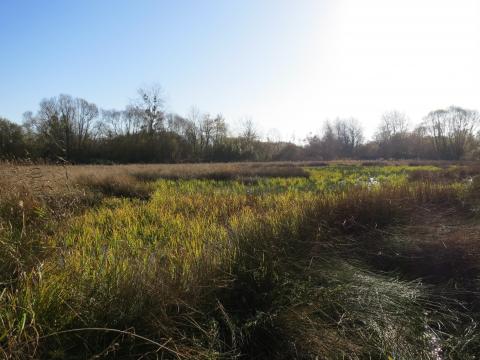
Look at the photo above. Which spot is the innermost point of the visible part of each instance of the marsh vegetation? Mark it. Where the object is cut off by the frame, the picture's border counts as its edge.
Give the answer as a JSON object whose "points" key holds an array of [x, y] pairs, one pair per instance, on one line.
{"points": [[222, 261]]}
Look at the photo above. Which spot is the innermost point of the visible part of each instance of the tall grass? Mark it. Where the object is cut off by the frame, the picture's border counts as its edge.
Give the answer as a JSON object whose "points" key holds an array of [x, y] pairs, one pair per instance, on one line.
{"points": [[206, 267]]}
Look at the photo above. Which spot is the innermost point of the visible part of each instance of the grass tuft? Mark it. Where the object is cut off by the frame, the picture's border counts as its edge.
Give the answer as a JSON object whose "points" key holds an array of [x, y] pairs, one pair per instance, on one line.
{"points": [[118, 186]]}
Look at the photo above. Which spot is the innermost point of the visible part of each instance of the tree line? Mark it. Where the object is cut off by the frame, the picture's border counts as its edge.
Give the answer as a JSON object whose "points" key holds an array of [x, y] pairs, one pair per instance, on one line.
{"points": [[445, 134], [74, 130]]}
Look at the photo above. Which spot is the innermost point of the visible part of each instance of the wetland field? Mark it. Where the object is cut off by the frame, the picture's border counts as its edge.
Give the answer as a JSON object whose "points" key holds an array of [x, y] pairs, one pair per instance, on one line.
{"points": [[308, 260]]}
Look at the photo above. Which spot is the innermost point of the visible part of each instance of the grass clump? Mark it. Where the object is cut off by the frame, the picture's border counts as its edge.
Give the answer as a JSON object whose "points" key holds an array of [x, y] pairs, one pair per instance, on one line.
{"points": [[117, 186], [30, 208], [243, 172], [446, 175]]}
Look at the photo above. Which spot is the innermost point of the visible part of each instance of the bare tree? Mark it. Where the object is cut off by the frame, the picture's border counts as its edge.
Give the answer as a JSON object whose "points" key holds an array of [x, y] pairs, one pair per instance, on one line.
{"points": [[323, 146], [177, 124], [249, 132], [121, 122], [192, 130], [111, 124], [85, 114], [452, 130], [64, 123], [392, 135], [149, 107], [393, 123], [212, 130], [220, 129], [339, 139], [206, 127], [349, 135], [462, 127], [248, 136], [330, 146]]}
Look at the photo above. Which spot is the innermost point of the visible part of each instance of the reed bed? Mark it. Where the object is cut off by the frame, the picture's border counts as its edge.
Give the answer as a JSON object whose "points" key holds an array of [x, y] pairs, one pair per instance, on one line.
{"points": [[199, 261]]}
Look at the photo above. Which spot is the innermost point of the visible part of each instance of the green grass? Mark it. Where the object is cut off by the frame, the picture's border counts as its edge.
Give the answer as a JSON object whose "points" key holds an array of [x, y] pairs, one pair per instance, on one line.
{"points": [[273, 267]]}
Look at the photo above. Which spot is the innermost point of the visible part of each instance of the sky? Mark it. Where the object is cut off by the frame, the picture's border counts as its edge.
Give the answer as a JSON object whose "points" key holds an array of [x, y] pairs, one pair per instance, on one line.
{"points": [[287, 65]]}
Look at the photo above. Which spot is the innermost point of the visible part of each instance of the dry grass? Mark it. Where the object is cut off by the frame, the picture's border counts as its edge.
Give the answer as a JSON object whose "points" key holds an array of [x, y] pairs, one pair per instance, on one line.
{"points": [[62, 188], [33, 204], [221, 173], [446, 175], [45, 178], [121, 185]]}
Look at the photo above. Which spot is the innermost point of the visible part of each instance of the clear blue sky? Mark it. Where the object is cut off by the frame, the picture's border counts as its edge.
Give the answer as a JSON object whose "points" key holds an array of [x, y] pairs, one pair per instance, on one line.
{"points": [[287, 64]]}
